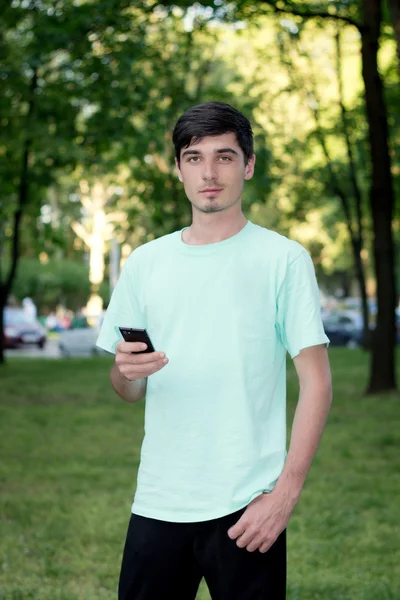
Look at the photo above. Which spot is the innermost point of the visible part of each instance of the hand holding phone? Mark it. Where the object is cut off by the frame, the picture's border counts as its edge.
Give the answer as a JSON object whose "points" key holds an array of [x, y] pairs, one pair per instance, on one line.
{"points": [[135, 357], [137, 335]]}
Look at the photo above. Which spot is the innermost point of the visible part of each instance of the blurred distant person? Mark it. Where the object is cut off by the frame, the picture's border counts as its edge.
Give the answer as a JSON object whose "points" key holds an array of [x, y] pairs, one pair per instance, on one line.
{"points": [[67, 319], [52, 322], [223, 301], [29, 308]]}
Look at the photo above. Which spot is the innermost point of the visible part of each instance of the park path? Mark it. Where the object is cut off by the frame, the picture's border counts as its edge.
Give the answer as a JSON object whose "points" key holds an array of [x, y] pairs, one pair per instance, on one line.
{"points": [[49, 351]]}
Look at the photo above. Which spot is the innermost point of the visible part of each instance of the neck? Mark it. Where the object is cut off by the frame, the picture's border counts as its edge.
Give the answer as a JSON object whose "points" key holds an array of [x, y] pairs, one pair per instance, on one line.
{"points": [[212, 228]]}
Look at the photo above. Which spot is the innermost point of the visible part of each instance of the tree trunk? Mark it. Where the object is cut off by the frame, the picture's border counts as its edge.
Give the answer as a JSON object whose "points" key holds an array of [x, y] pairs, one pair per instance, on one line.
{"points": [[394, 6], [382, 374], [359, 267], [357, 239], [355, 232], [5, 287]]}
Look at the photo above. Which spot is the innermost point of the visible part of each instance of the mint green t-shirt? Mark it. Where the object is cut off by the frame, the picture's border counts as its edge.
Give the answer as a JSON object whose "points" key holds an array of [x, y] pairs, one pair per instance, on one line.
{"points": [[225, 314]]}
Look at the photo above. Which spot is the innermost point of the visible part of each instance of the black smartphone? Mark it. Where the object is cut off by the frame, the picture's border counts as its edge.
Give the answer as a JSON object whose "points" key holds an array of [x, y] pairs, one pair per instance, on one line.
{"points": [[137, 335]]}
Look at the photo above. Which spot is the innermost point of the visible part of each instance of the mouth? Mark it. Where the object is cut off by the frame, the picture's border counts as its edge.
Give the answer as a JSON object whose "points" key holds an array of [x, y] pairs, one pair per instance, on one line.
{"points": [[211, 191]]}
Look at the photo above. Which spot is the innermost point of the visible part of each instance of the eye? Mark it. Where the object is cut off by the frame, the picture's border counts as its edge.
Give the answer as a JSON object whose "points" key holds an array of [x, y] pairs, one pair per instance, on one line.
{"points": [[225, 158], [193, 159]]}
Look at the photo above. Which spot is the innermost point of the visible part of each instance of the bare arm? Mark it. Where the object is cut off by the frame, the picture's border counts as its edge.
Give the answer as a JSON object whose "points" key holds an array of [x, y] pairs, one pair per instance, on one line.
{"points": [[268, 514], [130, 371], [315, 398], [129, 391]]}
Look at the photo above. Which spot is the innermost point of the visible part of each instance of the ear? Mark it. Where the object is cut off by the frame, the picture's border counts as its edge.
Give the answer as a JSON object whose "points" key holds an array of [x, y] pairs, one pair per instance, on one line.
{"points": [[179, 171], [249, 169]]}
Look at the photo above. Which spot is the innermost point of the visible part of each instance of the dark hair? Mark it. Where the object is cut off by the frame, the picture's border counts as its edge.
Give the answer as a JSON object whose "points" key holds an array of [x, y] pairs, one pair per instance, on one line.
{"points": [[212, 118]]}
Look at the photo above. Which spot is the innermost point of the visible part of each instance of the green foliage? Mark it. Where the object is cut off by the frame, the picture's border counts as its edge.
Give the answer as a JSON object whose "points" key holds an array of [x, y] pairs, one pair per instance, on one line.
{"points": [[56, 282], [111, 80], [58, 70]]}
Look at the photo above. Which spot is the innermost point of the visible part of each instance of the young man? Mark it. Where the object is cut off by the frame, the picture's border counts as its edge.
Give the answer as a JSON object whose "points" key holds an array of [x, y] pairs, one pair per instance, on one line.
{"points": [[223, 301]]}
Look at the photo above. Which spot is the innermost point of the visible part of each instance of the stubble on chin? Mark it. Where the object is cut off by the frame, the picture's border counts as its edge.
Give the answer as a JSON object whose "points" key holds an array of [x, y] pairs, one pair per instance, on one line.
{"points": [[212, 209], [208, 208]]}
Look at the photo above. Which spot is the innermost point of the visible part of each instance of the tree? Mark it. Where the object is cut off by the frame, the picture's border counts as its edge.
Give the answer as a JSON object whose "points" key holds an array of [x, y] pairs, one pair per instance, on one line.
{"points": [[37, 117], [95, 230], [394, 6], [54, 65], [382, 375], [51, 283], [341, 180]]}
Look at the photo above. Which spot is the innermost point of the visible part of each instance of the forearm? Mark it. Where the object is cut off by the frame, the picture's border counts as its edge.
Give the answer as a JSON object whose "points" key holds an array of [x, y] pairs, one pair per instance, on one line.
{"points": [[308, 424], [129, 391]]}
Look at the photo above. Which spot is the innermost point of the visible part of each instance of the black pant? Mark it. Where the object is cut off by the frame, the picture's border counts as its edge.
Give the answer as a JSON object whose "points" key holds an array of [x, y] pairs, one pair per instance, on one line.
{"points": [[166, 561]]}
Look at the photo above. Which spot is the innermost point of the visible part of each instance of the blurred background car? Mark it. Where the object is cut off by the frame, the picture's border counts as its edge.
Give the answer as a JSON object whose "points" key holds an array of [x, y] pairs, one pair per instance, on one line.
{"points": [[344, 328], [19, 330], [80, 339]]}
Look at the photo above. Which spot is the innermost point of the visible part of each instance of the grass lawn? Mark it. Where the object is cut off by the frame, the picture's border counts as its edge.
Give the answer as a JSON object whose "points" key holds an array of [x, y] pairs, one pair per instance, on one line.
{"points": [[69, 454]]}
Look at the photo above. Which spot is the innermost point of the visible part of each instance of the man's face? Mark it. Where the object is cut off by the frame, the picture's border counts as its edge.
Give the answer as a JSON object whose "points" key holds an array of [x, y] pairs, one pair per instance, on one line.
{"points": [[213, 172]]}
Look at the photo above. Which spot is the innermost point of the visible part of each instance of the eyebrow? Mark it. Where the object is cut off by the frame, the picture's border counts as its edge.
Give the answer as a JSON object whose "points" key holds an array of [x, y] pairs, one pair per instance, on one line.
{"points": [[219, 151]]}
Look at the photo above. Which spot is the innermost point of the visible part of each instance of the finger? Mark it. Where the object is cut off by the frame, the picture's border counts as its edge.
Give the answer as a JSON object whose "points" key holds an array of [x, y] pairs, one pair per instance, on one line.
{"points": [[128, 347], [265, 547], [158, 366], [255, 543], [238, 528], [142, 366], [138, 359], [246, 538], [268, 541], [138, 371]]}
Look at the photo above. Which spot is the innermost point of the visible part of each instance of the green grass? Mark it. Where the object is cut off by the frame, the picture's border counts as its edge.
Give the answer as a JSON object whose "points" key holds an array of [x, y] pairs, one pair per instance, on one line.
{"points": [[69, 454]]}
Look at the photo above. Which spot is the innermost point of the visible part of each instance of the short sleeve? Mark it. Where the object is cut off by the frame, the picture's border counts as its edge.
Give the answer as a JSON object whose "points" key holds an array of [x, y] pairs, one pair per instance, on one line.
{"points": [[123, 310], [299, 319]]}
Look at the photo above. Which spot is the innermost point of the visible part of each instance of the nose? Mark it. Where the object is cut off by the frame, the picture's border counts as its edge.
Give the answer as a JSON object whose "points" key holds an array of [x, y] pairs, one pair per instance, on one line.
{"points": [[209, 170]]}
